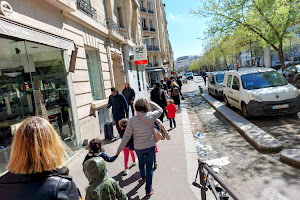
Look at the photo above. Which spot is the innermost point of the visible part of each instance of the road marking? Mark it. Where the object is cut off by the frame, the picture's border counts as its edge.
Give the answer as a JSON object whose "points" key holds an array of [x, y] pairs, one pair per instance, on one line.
{"points": [[288, 126], [293, 120]]}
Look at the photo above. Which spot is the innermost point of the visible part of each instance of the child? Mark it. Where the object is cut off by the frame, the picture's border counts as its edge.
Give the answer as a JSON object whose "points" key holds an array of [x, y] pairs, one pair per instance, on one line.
{"points": [[129, 148], [96, 151], [100, 185], [171, 108]]}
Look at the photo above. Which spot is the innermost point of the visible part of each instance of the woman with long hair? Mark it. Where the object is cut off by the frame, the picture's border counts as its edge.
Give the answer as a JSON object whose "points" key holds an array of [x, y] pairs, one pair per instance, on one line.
{"points": [[175, 93], [34, 168]]}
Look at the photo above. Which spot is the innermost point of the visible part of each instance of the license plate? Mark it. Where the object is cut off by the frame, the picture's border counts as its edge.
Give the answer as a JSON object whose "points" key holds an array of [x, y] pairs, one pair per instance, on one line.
{"points": [[280, 106]]}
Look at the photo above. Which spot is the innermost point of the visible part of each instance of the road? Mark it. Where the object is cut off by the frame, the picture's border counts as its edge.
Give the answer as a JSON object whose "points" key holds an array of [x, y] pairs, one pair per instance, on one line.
{"points": [[249, 172]]}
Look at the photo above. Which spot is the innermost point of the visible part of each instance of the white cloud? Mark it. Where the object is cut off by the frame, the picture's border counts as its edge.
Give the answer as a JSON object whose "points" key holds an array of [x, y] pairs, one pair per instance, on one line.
{"points": [[171, 16]]}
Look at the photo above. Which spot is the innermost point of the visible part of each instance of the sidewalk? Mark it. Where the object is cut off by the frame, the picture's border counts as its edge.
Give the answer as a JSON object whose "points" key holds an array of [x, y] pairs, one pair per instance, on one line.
{"points": [[177, 165]]}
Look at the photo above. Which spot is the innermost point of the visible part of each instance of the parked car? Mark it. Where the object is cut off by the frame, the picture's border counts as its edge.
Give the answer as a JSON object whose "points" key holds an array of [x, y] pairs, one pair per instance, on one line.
{"points": [[215, 83], [184, 79], [189, 75], [195, 74], [292, 75], [260, 91]]}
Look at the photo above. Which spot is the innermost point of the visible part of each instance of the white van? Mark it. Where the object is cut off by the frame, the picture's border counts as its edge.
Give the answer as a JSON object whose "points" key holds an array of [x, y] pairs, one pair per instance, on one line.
{"points": [[260, 91], [215, 83]]}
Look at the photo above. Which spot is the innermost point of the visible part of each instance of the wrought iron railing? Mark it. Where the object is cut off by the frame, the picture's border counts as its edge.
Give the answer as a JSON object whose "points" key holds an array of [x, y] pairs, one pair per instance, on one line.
{"points": [[152, 29], [150, 11], [87, 9], [214, 183], [155, 64], [145, 28], [152, 48], [110, 24], [143, 9], [149, 65]]}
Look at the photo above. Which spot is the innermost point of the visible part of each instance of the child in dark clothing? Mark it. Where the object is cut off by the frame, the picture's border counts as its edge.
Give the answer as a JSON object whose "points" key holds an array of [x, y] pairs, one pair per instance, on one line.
{"points": [[129, 148], [95, 151]]}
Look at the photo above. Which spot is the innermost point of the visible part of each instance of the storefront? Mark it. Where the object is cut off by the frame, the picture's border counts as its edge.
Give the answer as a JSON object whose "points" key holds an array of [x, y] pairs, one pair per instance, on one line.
{"points": [[154, 76], [35, 81]]}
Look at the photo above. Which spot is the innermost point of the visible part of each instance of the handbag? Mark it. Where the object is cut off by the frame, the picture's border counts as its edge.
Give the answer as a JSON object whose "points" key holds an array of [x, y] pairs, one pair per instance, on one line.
{"points": [[157, 135]]}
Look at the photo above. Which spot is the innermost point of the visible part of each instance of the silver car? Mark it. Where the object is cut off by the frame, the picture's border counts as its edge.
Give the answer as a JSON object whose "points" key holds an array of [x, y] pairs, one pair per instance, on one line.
{"points": [[215, 83]]}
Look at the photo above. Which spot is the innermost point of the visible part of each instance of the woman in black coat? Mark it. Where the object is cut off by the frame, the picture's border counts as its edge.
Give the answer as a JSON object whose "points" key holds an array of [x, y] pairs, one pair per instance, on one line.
{"points": [[34, 168], [157, 95], [175, 93]]}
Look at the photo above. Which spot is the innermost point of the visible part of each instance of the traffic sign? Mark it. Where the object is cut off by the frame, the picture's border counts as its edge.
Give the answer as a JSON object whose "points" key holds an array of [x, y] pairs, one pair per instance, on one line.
{"points": [[234, 64]]}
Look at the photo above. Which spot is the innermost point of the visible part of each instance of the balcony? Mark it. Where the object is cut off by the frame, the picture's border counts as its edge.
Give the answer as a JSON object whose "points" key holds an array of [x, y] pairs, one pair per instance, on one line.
{"points": [[145, 29], [152, 48], [110, 24], [152, 29], [150, 11], [149, 65], [87, 9], [143, 9], [155, 64]]}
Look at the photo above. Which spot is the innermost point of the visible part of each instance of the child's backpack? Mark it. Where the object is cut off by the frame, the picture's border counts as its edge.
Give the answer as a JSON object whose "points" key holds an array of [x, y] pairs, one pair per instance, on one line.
{"points": [[175, 91]]}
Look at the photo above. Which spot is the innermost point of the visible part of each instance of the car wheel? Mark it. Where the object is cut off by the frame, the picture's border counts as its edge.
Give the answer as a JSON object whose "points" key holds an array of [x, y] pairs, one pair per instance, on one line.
{"points": [[245, 111], [226, 101], [298, 83]]}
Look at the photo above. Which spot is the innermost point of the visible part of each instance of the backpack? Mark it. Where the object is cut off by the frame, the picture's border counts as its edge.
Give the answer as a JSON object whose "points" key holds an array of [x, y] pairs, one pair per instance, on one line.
{"points": [[175, 91]]}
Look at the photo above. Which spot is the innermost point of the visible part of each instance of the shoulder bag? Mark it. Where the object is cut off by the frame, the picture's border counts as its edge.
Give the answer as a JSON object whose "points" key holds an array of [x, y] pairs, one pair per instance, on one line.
{"points": [[157, 135]]}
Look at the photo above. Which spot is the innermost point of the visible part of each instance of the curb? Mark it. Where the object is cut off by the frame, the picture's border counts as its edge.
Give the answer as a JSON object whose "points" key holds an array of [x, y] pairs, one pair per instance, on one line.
{"points": [[291, 156], [258, 138]]}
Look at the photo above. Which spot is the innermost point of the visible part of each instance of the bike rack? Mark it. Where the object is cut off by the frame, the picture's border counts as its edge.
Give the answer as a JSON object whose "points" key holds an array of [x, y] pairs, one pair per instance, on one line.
{"points": [[208, 183]]}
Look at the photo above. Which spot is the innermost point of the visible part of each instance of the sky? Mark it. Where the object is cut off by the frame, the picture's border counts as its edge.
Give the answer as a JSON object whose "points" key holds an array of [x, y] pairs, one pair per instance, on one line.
{"points": [[184, 28]]}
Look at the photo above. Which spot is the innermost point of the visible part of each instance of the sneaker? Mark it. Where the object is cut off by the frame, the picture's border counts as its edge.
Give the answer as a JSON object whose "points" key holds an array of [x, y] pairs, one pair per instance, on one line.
{"points": [[134, 163], [126, 171], [142, 180], [149, 194]]}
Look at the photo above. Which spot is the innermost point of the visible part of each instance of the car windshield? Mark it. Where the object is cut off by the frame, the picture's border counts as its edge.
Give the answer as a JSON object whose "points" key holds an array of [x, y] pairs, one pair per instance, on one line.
{"points": [[220, 78], [189, 74], [262, 80]]}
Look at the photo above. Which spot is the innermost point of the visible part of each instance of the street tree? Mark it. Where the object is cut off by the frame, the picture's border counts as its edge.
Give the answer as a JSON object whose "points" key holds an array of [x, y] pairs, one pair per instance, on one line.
{"points": [[267, 19]]}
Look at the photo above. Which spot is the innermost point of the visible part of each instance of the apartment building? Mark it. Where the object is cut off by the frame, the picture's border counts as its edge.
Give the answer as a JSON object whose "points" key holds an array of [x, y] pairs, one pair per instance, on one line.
{"points": [[156, 37], [60, 58]]}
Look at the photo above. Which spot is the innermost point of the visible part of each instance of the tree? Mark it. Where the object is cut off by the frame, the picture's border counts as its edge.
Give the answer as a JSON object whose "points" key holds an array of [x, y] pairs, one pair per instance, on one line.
{"points": [[267, 19]]}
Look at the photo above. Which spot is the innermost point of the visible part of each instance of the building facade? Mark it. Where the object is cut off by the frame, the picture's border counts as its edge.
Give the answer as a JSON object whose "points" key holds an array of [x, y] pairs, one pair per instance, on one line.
{"points": [[60, 58], [156, 37]]}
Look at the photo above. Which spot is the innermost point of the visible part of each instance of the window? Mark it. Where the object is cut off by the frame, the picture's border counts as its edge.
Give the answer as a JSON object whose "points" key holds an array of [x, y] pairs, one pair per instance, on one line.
{"points": [[146, 42], [142, 4], [262, 80], [95, 74], [144, 23], [148, 6], [120, 18], [151, 24], [152, 41], [148, 59], [236, 82], [229, 80], [154, 60]]}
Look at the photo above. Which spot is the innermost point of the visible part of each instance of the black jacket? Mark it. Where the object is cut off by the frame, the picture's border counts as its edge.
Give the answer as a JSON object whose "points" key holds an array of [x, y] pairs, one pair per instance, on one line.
{"points": [[45, 186], [119, 106], [102, 155], [158, 96], [129, 94]]}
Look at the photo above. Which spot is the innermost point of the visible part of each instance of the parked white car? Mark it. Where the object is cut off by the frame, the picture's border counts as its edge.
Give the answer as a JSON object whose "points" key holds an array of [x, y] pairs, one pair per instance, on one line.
{"points": [[215, 83], [260, 91]]}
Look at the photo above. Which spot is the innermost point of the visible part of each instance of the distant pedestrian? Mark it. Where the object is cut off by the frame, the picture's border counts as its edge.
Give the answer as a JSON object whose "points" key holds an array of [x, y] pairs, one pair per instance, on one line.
{"points": [[175, 93], [129, 95], [168, 81], [143, 138], [158, 96], [164, 85], [35, 165], [171, 108], [100, 185], [129, 148], [119, 106], [179, 82], [204, 75], [95, 150]]}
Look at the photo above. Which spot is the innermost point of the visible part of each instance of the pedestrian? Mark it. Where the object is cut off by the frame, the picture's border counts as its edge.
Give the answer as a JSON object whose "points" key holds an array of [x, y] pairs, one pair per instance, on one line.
{"points": [[158, 96], [168, 81], [171, 108], [119, 106], [37, 155], [95, 150], [143, 138], [129, 95], [129, 148], [100, 185], [175, 93], [179, 82], [164, 85], [204, 75]]}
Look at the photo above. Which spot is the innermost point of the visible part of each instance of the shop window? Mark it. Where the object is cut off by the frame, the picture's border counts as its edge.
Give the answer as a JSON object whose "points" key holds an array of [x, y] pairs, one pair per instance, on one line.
{"points": [[95, 74], [32, 83]]}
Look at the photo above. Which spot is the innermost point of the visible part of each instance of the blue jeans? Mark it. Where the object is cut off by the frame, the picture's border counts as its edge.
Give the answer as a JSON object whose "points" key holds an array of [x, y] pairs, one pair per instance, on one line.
{"points": [[172, 120], [147, 159]]}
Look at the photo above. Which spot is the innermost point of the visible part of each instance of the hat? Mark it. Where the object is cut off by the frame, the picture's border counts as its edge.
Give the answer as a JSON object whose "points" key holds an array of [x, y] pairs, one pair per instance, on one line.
{"points": [[113, 89]]}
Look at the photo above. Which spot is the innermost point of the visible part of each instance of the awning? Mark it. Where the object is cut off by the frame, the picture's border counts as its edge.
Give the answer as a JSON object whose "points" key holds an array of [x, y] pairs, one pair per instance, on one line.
{"points": [[154, 70], [18, 30]]}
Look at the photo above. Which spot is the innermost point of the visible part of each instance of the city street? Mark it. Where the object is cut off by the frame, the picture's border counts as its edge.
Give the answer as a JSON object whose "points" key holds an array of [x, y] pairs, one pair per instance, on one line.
{"points": [[249, 172]]}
